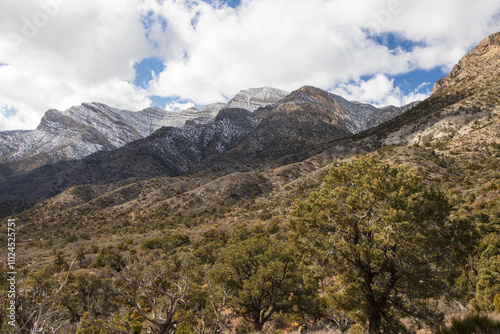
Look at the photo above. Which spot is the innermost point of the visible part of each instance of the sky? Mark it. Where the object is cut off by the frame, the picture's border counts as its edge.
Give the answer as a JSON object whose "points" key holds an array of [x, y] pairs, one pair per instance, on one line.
{"points": [[174, 54]]}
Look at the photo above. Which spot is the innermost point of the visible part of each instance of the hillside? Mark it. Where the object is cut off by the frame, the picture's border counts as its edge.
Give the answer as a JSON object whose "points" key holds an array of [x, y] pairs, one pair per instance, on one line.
{"points": [[82, 130], [462, 156], [308, 117], [182, 196]]}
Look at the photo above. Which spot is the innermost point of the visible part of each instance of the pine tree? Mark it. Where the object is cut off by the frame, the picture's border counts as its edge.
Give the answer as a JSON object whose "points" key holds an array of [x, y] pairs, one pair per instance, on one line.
{"points": [[384, 237], [488, 281], [262, 275]]}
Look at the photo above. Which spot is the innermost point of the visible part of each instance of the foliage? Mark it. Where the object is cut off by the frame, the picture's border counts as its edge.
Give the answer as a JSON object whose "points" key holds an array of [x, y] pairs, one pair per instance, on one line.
{"points": [[384, 238], [208, 249], [91, 295], [159, 294], [168, 243], [262, 273], [488, 280], [472, 324], [37, 307], [110, 257]]}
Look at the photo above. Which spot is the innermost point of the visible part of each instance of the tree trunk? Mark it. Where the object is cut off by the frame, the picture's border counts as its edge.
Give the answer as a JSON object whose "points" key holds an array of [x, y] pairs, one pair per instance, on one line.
{"points": [[258, 326], [376, 306], [374, 320]]}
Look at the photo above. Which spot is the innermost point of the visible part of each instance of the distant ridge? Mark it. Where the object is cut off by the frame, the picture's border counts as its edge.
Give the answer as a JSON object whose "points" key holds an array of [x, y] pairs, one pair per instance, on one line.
{"points": [[82, 130], [305, 118]]}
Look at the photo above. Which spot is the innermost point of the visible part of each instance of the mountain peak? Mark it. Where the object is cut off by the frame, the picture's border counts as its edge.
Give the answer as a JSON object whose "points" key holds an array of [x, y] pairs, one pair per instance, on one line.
{"points": [[311, 90], [479, 67], [311, 94], [254, 98]]}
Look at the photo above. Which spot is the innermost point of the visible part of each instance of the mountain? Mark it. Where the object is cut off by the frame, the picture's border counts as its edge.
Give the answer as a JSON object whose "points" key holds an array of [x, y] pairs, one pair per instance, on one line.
{"points": [[175, 198], [82, 130], [305, 118], [76, 133], [308, 123], [478, 70], [468, 94], [255, 98], [301, 123]]}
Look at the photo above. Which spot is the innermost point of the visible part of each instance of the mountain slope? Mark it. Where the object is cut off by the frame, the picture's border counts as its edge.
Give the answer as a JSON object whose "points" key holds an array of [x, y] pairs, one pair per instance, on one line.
{"points": [[471, 92], [452, 139], [475, 71], [255, 98], [308, 117], [169, 151], [82, 130]]}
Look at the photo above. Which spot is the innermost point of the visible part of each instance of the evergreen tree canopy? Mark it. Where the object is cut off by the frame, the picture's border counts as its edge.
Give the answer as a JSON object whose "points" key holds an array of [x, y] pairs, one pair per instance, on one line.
{"points": [[488, 281], [262, 274], [384, 237]]}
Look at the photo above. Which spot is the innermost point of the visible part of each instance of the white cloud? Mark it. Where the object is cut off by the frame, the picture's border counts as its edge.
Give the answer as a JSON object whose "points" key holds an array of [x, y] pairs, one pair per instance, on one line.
{"points": [[175, 106], [81, 51], [289, 43], [380, 91], [64, 52]]}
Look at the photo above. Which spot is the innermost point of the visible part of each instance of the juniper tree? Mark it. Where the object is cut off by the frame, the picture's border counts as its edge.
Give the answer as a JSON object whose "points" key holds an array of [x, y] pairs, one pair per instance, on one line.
{"points": [[262, 274], [488, 281], [383, 237]]}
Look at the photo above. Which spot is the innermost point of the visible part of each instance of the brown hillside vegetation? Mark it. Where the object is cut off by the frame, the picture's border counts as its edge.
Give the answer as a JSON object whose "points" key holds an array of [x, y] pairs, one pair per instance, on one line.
{"points": [[233, 247]]}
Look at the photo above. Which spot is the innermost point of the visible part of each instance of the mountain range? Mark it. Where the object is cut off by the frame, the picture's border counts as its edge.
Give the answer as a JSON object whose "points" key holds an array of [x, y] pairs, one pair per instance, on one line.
{"points": [[121, 194], [262, 129], [92, 143], [82, 130]]}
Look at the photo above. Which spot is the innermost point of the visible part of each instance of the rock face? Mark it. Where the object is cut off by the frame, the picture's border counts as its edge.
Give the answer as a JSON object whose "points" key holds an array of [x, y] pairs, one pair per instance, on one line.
{"points": [[477, 69], [79, 131], [459, 102], [308, 117], [82, 130], [255, 98], [354, 116]]}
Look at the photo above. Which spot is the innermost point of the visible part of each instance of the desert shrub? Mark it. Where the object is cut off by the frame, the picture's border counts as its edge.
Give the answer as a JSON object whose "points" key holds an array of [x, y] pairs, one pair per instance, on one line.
{"points": [[472, 324], [109, 257], [488, 279], [149, 244], [171, 242]]}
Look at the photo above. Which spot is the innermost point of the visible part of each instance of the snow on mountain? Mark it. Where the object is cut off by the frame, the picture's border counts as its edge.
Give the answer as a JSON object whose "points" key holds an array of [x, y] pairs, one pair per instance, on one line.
{"points": [[254, 98], [355, 116], [91, 127]]}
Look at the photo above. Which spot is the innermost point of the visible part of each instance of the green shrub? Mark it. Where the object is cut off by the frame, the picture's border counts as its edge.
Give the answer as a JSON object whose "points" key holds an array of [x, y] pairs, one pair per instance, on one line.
{"points": [[109, 257], [472, 324], [149, 244], [171, 242]]}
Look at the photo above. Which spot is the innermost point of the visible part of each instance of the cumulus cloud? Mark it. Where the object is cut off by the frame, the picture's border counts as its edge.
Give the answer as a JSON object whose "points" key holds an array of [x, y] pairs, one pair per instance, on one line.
{"points": [[218, 50], [64, 52], [176, 106], [380, 91], [60, 53]]}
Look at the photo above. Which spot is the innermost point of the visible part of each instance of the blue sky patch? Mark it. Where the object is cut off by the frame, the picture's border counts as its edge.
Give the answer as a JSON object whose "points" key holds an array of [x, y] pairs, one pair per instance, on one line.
{"points": [[144, 71], [149, 20], [411, 81], [159, 101], [162, 102], [395, 41], [194, 21], [230, 3], [8, 112]]}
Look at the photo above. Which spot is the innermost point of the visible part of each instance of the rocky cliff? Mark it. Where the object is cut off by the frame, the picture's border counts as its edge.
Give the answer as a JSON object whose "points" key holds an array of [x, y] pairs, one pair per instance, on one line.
{"points": [[82, 130], [308, 117]]}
